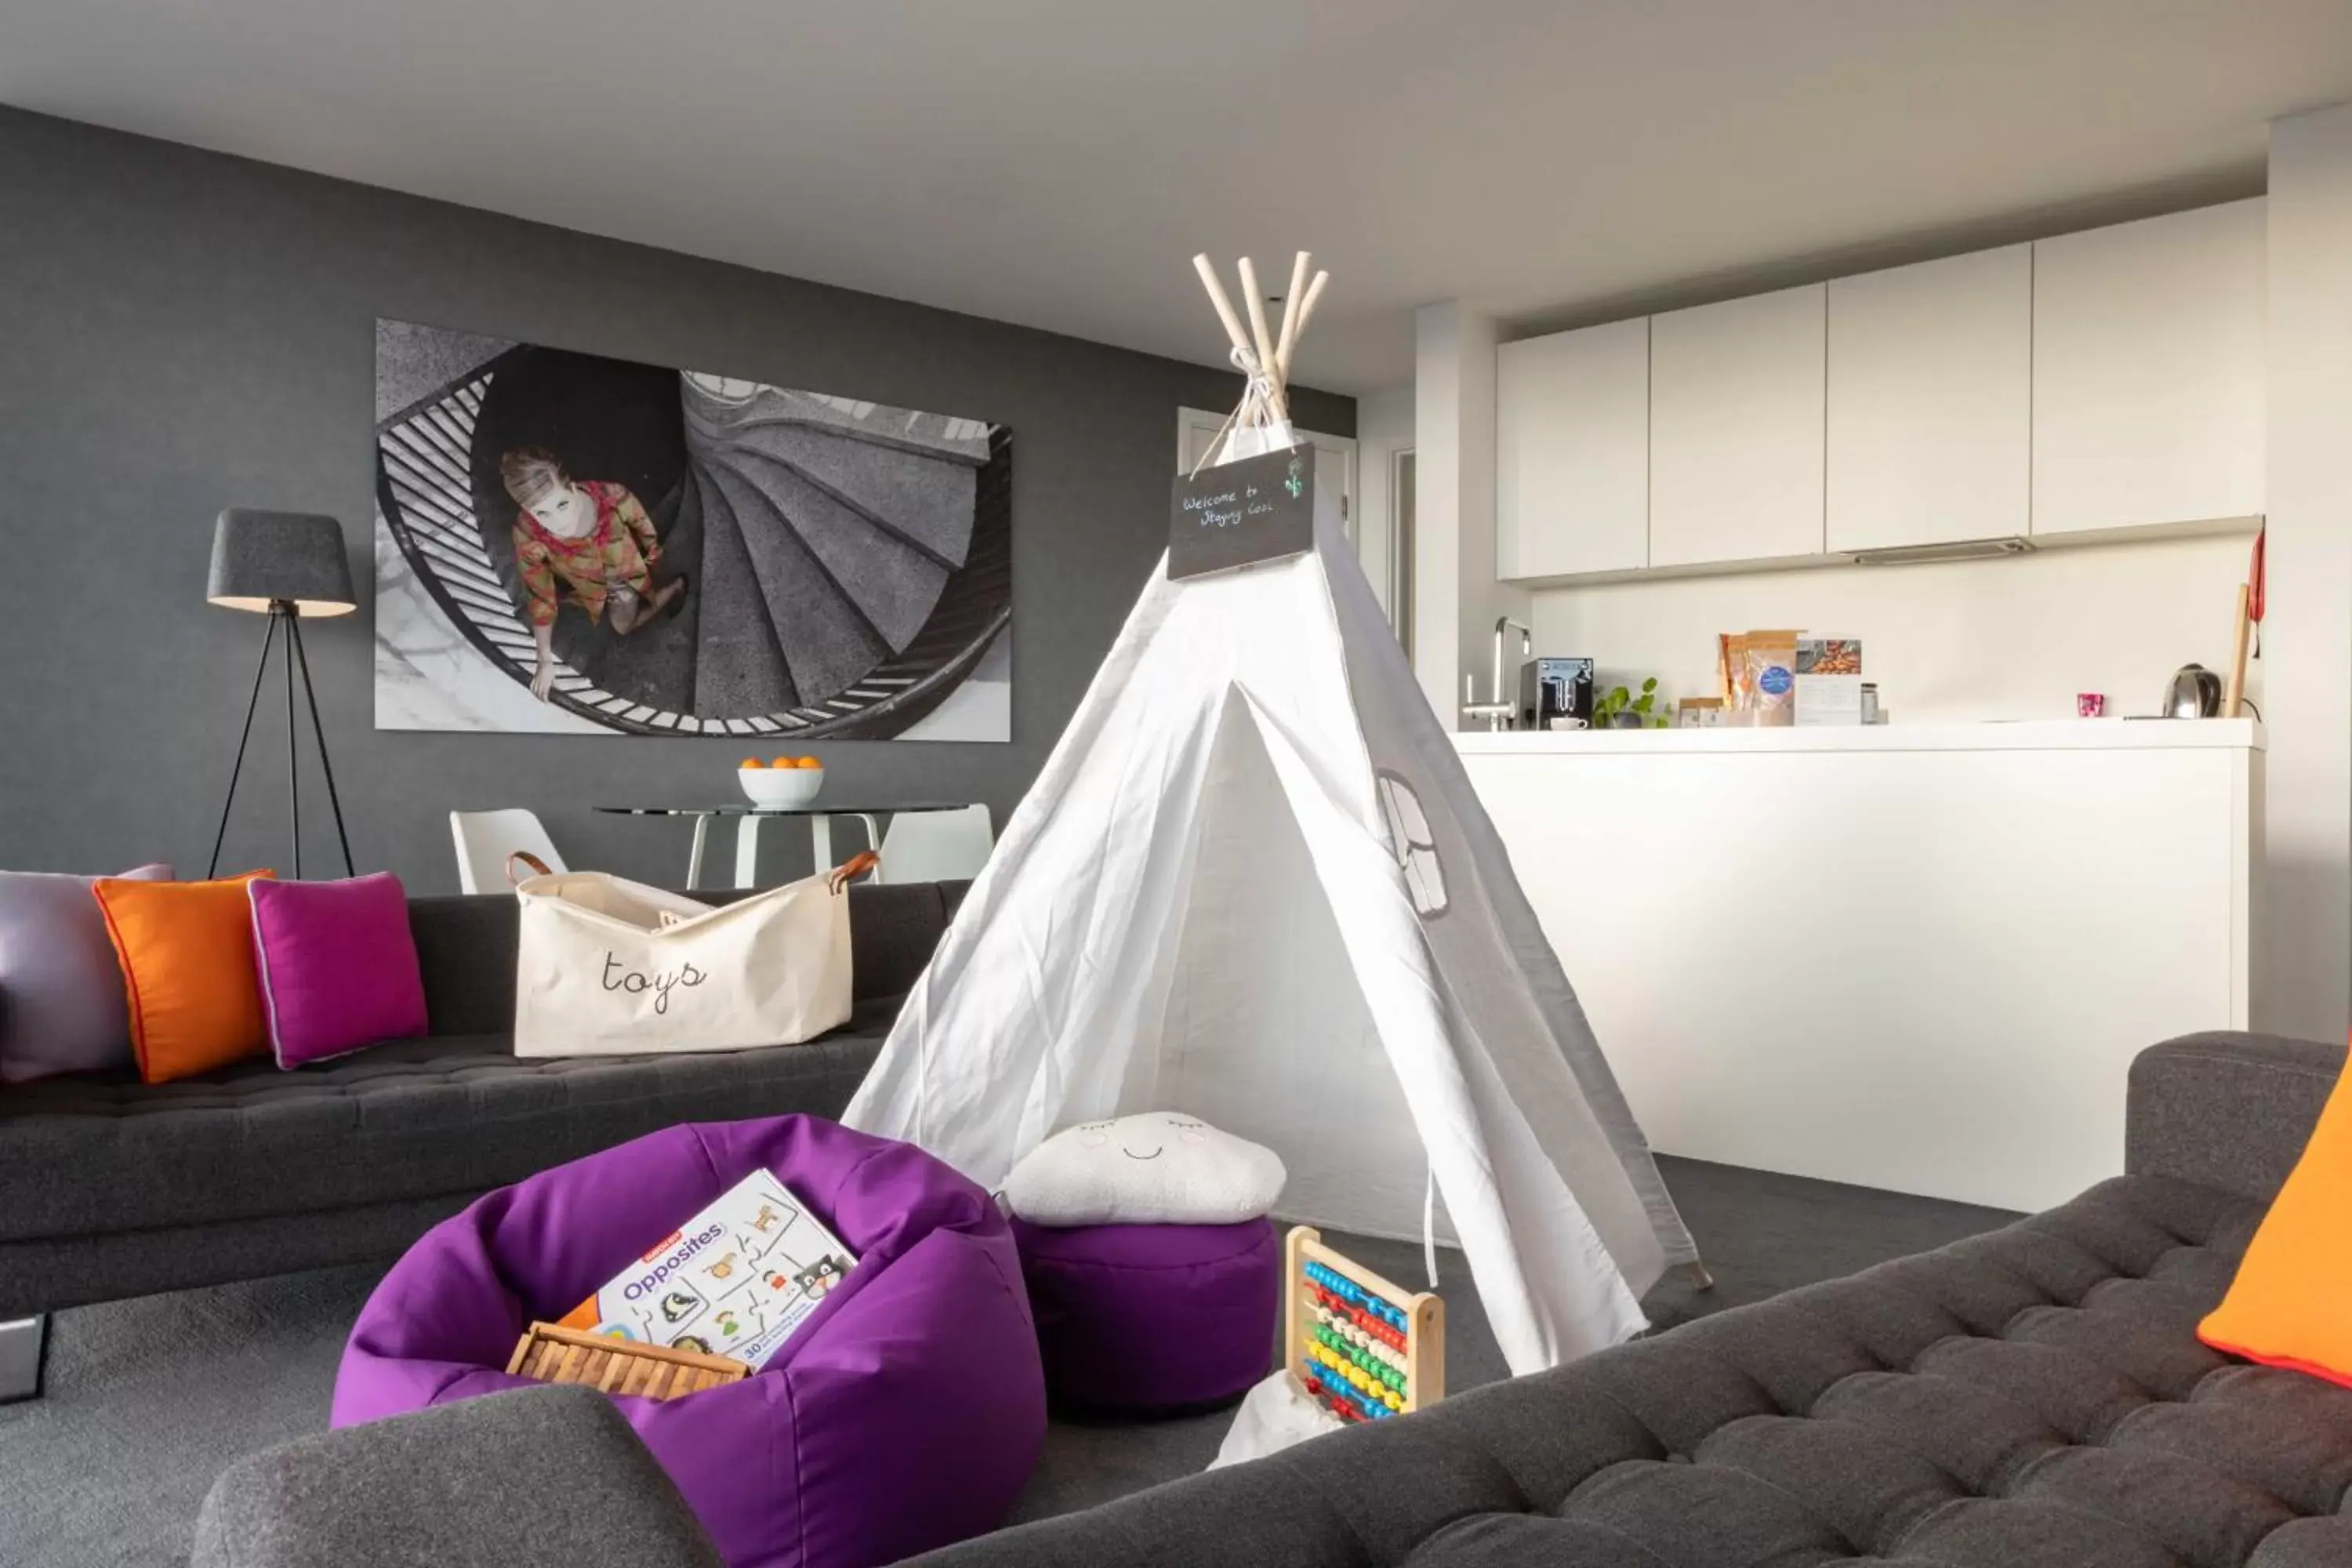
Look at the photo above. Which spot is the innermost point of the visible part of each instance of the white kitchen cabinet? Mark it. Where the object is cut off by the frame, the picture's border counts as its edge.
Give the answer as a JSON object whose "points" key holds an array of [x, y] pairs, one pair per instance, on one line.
{"points": [[1736, 439], [2148, 364], [1573, 452], [1931, 401]]}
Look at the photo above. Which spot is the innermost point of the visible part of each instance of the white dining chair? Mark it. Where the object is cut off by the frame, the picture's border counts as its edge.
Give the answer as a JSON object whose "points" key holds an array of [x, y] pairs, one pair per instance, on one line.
{"points": [[484, 839], [936, 846]]}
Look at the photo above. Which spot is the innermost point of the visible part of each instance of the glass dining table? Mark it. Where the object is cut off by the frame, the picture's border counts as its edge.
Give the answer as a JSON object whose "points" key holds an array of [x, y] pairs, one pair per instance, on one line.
{"points": [[748, 818]]}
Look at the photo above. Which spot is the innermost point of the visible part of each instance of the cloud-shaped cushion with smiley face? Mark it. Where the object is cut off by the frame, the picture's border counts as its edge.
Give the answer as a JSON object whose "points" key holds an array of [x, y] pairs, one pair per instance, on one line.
{"points": [[1156, 1168]]}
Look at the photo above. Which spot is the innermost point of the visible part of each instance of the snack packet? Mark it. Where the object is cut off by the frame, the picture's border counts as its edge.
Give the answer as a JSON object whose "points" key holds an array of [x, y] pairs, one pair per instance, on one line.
{"points": [[1763, 674]]}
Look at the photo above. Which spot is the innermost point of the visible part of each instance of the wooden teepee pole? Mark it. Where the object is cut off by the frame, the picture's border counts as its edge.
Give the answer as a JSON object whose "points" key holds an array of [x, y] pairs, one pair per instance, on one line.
{"points": [[1209, 281], [1257, 343], [1293, 317], [1305, 315]]}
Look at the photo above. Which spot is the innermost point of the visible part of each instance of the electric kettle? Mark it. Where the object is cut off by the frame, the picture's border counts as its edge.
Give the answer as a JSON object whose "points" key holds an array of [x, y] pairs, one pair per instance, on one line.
{"points": [[2195, 693]]}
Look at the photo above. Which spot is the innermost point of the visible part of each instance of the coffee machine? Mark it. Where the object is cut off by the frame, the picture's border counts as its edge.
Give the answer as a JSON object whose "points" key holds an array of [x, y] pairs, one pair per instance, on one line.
{"points": [[1555, 689]]}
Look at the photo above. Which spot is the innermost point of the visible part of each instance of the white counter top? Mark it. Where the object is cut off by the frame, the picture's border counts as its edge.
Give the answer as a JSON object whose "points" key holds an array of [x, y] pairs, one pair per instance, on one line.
{"points": [[2025, 735]]}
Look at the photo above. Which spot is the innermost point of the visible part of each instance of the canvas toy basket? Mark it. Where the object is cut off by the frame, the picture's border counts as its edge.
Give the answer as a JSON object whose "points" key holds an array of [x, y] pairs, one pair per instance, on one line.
{"points": [[610, 967]]}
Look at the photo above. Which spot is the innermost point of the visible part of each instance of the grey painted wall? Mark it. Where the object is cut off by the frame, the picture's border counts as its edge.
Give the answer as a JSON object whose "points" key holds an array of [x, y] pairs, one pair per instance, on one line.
{"points": [[181, 331]]}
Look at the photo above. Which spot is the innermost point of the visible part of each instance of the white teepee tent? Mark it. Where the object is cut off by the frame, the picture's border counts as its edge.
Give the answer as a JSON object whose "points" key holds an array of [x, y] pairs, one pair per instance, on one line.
{"points": [[1253, 883]]}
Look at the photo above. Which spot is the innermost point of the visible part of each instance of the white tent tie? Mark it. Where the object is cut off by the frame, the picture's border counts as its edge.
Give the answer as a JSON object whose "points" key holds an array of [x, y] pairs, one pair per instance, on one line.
{"points": [[1257, 392], [1256, 408], [1429, 1226]]}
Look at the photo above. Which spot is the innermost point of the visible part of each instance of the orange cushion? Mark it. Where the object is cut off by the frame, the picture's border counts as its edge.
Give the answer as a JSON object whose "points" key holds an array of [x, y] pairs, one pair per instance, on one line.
{"points": [[2287, 1307], [186, 950]]}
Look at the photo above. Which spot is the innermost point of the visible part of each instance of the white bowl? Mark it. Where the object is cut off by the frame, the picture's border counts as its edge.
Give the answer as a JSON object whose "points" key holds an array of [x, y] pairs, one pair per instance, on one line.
{"points": [[780, 787]]}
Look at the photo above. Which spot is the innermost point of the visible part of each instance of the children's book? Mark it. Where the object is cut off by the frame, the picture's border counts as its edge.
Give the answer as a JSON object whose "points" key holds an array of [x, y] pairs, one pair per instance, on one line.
{"points": [[735, 1280]]}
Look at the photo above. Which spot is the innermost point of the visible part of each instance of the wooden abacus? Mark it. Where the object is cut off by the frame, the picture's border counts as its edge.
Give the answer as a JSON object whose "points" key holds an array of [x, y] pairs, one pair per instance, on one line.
{"points": [[554, 1354], [1361, 1347]]}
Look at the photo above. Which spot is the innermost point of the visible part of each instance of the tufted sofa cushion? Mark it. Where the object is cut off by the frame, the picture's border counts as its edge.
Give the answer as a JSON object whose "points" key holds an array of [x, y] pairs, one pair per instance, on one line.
{"points": [[456, 1114], [2030, 1396]]}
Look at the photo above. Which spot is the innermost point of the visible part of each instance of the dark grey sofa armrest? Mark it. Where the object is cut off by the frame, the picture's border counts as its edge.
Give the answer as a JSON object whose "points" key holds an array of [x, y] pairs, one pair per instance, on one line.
{"points": [[2227, 1111], [541, 1475]]}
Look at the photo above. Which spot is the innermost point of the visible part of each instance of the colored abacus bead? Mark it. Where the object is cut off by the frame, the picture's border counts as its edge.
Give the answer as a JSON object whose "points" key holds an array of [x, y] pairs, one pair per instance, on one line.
{"points": [[1355, 1347]]}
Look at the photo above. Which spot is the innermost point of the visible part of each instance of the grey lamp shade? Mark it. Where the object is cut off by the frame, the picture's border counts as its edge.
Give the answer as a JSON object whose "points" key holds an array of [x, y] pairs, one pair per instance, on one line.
{"points": [[260, 557]]}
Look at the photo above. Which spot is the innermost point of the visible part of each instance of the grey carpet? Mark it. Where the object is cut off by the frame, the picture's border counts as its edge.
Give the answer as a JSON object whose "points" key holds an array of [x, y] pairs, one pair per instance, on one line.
{"points": [[147, 1400]]}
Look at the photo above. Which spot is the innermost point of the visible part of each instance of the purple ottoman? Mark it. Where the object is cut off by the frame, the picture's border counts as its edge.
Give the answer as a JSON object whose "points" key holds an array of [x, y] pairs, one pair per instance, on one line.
{"points": [[906, 1414], [1150, 1319]]}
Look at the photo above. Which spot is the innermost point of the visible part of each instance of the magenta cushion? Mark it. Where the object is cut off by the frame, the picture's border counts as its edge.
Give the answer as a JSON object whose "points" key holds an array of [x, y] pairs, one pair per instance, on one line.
{"points": [[338, 965], [62, 1006], [1152, 1319]]}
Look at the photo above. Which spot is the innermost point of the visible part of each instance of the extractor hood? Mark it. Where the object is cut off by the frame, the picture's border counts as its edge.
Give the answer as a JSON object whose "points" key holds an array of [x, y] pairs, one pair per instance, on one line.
{"points": [[1957, 550]]}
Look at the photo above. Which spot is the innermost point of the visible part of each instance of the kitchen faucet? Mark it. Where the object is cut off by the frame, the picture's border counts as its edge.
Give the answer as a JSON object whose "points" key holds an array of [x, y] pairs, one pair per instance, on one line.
{"points": [[1500, 712]]}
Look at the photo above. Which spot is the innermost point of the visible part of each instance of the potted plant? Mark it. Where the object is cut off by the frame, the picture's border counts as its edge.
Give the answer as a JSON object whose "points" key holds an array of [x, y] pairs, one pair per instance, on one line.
{"points": [[1618, 708]]}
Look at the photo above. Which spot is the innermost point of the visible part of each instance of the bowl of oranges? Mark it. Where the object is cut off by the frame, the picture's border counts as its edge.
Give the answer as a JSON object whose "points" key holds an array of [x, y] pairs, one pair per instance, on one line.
{"points": [[781, 782]]}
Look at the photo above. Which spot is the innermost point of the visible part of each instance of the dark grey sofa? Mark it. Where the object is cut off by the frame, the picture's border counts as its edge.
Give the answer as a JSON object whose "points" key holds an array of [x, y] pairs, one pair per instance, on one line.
{"points": [[110, 1187], [558, 1467], [2034, 1398]]}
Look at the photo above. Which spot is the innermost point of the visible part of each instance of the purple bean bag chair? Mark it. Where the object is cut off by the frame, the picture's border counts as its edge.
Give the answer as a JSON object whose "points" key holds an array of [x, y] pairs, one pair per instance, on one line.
{"points": [[1153, 1318], [906, 1414]]}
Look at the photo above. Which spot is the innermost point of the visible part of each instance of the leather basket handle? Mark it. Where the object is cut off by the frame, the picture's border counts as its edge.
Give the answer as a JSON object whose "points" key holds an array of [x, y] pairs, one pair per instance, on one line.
{"points": [[849, 871], [539, 868]]}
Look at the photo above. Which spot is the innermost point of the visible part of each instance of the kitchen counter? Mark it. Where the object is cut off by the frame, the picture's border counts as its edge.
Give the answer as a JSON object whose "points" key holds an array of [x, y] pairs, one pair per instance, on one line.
{"points": [[1912, 957], [2024, 735]]}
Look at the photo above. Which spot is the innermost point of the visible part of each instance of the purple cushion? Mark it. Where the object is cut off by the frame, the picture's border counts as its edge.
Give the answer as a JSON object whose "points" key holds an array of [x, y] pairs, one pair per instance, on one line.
{"points": [[1147, 1317], [337, 963], [905, 1415], [61, 997]]}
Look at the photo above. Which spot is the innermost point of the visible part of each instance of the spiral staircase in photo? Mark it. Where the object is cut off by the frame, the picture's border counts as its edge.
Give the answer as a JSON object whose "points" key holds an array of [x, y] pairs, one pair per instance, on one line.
{"points": [[850, 564]]}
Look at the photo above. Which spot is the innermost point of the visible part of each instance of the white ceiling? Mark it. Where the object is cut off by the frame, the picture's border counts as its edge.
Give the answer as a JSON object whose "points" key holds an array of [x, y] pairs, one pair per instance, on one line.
{"points": [[1057, 162]]}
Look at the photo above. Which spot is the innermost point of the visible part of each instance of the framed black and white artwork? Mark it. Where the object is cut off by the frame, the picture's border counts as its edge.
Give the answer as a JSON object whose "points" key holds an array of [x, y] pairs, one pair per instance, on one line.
{"points": [[570, 543]]}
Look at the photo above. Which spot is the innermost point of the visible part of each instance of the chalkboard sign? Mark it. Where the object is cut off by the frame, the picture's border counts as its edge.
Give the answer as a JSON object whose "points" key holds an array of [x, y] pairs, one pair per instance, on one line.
{"points": [[1259, 508]]}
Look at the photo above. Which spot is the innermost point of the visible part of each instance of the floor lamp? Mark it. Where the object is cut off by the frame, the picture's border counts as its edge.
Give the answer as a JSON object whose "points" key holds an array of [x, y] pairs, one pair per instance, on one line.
{"points": [[285, 565]]}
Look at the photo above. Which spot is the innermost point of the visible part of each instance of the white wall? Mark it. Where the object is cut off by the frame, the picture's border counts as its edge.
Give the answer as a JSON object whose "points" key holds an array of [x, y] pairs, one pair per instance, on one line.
{"points": [[2308, 934], [1385, 427], [2012, 638], [1437, 395], [1456, 596]]}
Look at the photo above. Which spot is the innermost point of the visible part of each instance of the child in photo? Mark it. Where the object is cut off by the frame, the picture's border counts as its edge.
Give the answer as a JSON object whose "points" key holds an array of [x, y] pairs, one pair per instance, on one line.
{"points": [[589, 540]]}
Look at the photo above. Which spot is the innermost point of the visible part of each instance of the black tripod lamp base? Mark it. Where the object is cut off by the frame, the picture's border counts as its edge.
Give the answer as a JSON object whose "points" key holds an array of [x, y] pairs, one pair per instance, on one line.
{"points": [[285, 615]]}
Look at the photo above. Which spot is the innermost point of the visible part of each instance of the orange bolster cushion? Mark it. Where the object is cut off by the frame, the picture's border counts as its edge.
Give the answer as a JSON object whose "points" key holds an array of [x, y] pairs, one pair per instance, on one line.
{"points": [[2287, 1307], [186, 950]]}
